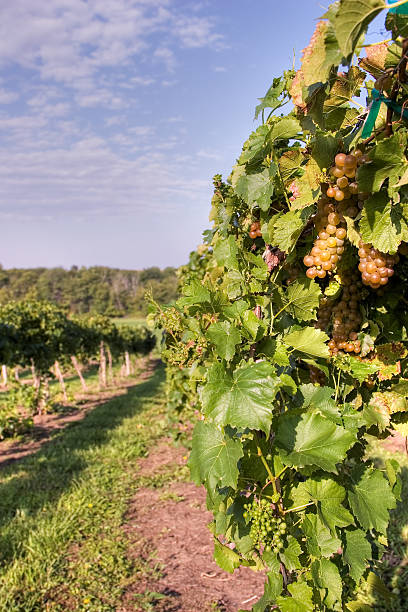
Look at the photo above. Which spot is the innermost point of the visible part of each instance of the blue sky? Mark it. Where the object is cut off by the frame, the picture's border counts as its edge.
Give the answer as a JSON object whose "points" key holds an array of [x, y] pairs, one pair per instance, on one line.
{"points": [[115, 115]]}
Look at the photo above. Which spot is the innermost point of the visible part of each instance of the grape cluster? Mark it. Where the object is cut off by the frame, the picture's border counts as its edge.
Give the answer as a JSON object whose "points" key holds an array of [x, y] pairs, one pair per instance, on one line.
{"points": [[295, 191], [324, 314], [375, 267], [267, 530], [255, 230], [344, 171], [347, 317], [329, 244]]}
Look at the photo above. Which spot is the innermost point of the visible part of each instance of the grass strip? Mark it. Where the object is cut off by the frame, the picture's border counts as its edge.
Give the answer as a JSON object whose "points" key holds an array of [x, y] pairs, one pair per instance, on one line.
{"points": [[61, 509]]}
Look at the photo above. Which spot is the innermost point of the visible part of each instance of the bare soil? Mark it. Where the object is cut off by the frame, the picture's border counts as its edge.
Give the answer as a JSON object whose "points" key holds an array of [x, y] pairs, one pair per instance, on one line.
{"points": [[172, 534]]}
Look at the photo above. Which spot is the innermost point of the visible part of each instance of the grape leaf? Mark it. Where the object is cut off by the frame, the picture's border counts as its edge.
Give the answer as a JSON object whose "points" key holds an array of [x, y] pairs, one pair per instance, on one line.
{"points": [[214, 457], [329, 497], [301, 600], [289, 163], [351, 21], [255, 144], [387, 162], [370, 486], [195, 293], [319, 541], [225, 336], [357, 552], [358, 368], [287, 229], [301, 299], [285, 128], [308, 340], [325, 147], [271, 98], [326, 576], [226, 559], [257, 188], [243, 399], [273, 588], [226, 251], [312, 440], [320, 55], [382, 223], [291, 553]]}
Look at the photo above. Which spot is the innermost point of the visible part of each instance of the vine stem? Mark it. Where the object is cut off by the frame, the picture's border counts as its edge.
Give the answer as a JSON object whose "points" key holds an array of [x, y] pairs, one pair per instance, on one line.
{"points": [[396, 4], [380, 42], [299, 507]]}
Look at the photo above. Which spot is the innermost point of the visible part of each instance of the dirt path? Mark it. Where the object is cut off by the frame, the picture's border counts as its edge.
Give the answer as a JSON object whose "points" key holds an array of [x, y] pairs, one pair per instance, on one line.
{"points": [[46, 426], [170, 529]]}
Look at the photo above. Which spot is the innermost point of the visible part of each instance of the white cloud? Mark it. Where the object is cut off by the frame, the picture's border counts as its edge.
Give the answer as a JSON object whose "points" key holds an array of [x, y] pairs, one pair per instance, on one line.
{"points": [[220, 69], [167, 56], [7, 97], [71, 41]]}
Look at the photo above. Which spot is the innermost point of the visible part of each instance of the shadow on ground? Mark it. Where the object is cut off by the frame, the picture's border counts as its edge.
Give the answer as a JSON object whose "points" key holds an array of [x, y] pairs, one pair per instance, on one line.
{"points": [[43, 476]]}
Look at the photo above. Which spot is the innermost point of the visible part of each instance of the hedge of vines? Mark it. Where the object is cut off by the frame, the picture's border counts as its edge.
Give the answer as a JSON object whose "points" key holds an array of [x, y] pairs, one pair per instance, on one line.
{"points": [[291, 334], [39, 335]]}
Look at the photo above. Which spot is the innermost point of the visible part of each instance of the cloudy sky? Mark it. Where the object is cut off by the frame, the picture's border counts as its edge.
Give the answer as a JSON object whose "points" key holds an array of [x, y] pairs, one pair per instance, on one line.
{"points": [[115, 115]]}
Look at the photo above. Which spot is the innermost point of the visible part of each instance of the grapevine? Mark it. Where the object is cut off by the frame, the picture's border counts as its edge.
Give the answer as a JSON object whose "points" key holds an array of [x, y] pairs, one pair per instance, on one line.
{"points": [[291, 332]]}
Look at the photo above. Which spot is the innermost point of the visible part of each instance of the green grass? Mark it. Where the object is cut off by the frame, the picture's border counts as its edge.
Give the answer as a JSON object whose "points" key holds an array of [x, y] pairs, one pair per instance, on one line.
{"points": [[393, 568], [61, 509]]}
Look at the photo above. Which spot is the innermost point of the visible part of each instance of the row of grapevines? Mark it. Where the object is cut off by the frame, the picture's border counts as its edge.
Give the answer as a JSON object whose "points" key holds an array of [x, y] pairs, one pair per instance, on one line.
{"points": [[291, 335], [39, 335]]}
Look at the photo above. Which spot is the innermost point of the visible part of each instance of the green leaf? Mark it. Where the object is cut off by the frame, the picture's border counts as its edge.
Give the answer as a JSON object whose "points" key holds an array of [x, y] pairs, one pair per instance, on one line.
{"points": [[257, 188], [271, 98], [195, 293], [324, 149], [387, 162], [382, 223], [285, 128], [312, 440], [309, 340], [301, 600], [226, 251], [351, 21], [371, 498], [329, 496], [255, 144], [360, 370], [214, 456], [251, 324], [287, 229], [321, 55], [270, 347], [302, 299], [357, 553], [272, 590], [326, 576], [226, 559], [290, 554], [319, 541], [243, 399], [225, 336]]}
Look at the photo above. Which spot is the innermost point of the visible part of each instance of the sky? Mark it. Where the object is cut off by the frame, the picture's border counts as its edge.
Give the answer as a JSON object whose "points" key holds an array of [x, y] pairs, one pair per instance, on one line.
{"points": [[116, 114]]}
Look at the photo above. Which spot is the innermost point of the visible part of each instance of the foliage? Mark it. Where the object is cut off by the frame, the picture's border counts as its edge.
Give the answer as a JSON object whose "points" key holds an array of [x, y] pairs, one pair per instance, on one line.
{"points": [[39, 334], [98, 289], [294, 375]]}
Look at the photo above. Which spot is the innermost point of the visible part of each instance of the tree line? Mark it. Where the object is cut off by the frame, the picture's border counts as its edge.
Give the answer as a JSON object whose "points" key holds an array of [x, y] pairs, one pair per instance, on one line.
{"points": [[97, 289]]}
